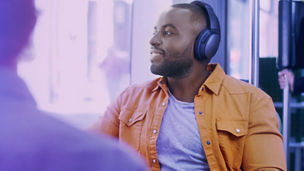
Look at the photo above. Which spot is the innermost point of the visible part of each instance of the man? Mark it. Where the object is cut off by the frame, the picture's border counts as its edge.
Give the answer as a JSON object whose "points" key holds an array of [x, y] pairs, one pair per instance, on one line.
{"points": [[195, 117], [31, 140]]}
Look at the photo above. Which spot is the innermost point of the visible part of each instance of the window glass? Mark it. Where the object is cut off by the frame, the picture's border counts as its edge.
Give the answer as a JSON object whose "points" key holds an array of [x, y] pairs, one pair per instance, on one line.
{"points": [[239, 34], [238, 38], [78, 60]]}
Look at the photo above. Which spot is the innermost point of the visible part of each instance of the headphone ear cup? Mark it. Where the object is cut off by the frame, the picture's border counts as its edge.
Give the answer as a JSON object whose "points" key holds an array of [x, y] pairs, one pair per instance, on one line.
{"points": [[200, 44], [212, 44]]}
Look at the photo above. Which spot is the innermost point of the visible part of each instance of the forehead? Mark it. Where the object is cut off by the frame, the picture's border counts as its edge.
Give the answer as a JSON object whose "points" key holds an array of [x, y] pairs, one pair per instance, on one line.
{"points": [[178, 17]]}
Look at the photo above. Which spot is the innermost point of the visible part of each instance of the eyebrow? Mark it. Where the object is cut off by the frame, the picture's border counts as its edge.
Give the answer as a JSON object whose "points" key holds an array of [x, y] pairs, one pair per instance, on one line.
{"points": [[166, 25]]}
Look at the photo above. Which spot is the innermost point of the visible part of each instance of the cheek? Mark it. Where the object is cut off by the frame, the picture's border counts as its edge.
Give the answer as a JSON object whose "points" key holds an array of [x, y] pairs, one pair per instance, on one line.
{"points": [[179, 48], [178, 43]]}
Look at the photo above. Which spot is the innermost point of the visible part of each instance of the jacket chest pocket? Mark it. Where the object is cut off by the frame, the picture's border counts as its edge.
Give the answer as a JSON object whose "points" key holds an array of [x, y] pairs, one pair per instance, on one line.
{"points": [[130, 128], [232, 134]]}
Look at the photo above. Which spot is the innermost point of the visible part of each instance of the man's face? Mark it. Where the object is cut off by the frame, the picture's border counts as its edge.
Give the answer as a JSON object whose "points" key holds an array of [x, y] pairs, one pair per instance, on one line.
{"points": [[172, 44]]}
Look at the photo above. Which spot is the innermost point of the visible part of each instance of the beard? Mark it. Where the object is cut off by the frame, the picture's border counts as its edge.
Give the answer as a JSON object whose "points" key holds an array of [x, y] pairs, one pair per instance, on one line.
{"points": [[175, 65]]}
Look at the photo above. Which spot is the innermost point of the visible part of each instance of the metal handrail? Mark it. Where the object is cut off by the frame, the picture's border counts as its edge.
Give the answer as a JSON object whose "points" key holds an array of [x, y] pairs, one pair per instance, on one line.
{"points": [[255, 42]]}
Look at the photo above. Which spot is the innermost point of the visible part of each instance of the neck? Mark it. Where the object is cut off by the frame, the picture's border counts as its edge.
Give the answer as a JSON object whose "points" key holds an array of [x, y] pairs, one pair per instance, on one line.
{"points": [[185, 89]]}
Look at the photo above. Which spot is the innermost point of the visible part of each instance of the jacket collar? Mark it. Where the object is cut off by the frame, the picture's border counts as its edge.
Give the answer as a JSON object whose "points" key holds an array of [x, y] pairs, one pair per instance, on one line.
{"points": [[161, 84], [215, 79]]}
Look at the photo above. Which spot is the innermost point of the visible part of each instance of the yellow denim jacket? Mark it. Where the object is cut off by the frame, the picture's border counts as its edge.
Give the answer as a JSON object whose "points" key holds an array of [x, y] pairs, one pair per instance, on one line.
{"points": [[237, 122]]}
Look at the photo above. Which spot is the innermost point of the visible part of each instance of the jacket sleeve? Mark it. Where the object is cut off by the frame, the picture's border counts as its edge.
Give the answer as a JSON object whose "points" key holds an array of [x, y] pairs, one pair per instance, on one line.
{"points": [[299, 85], [263, 148], [109, 122]]}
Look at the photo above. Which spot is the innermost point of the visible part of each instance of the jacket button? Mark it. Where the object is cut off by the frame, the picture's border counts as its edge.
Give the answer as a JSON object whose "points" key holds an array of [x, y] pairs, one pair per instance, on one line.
{"points": [[237, 130], [154, 160], [208, 142], [163, 104], [154, 131], [200, 113]]}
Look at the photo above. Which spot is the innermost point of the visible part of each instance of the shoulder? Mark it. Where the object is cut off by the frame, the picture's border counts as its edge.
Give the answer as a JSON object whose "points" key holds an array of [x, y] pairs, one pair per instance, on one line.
{"points": [[105, 153], [236, 86]]}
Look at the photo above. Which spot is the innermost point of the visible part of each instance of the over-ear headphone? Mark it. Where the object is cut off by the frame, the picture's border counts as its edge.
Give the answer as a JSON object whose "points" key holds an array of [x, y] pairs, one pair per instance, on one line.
{"points": [[208, 40]]}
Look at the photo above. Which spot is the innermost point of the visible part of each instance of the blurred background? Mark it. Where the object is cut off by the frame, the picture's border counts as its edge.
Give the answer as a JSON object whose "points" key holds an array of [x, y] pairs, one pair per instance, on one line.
{"points": [[83, 53]]}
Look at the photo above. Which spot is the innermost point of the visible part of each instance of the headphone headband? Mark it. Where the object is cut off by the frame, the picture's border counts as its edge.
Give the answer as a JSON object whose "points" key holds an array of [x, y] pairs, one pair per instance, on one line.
{"points": [[213, 21]]}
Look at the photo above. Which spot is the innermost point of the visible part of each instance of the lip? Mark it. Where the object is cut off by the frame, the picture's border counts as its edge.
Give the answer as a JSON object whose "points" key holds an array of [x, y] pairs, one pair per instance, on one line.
{"points": [[156, 55], [156, 52]]}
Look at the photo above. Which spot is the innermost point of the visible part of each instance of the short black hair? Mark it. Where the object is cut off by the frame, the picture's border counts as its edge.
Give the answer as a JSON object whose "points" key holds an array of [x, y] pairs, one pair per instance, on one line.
{"points": [[17, 20], [198, 13]]}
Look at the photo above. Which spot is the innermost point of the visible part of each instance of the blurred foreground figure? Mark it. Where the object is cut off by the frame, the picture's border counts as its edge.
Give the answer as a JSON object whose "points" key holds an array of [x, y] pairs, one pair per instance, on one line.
{"points": [[31, 140]]}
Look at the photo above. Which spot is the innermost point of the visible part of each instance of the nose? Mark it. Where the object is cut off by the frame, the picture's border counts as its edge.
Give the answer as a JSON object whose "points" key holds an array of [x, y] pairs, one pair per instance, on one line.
{"points": [[155, 40]]}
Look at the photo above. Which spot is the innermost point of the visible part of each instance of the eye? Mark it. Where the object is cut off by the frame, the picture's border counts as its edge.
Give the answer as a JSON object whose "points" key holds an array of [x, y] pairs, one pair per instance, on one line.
{"points": [[167, 33]]}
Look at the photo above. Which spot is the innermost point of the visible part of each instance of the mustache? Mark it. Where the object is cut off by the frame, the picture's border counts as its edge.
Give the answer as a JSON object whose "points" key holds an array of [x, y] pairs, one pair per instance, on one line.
{"points": [[153, 48]]}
